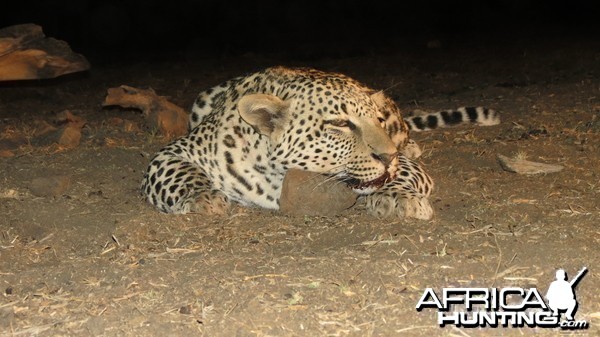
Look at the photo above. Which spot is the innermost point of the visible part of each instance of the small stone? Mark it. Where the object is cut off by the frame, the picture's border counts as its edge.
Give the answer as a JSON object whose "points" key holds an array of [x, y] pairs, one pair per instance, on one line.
{"points": [[6, 154], [8, 291], [67, 136], [309, 193], [70, 136], [49, 186], [185, 310]]}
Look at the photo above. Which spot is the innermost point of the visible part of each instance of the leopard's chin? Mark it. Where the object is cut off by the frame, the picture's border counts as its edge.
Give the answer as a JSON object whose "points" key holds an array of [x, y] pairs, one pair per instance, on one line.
{"points": [[367, 187]]}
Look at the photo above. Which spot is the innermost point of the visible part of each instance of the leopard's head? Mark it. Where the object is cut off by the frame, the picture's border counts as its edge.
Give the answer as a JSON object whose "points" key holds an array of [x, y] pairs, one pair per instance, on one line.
{"points": [[338, 128]]}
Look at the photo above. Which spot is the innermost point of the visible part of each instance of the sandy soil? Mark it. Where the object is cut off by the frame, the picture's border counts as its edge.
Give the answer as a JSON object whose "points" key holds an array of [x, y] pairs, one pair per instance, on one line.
{"points": [[97, 260]]}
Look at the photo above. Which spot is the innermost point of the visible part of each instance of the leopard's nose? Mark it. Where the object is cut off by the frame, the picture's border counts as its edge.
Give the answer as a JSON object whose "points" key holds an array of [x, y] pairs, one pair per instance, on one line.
{"points": [[385, 158]]}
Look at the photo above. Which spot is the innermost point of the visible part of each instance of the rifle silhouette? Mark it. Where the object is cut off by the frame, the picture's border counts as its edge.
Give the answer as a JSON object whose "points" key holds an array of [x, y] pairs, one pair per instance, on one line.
{"points": [[578, 277]]}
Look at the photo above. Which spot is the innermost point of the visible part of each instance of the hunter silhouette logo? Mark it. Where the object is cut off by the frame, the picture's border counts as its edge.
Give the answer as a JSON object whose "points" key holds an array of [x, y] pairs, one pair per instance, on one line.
{"points": [[561, 293], [507, 307]]}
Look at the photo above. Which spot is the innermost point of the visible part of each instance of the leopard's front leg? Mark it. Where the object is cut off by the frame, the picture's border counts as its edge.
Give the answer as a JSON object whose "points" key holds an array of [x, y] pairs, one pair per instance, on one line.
{"points": [[174, 183], [405, 196]]}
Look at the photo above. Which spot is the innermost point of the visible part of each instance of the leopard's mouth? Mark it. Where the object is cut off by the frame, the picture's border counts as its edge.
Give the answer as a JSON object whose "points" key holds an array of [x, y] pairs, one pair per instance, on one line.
{"points": [[361, 186]]}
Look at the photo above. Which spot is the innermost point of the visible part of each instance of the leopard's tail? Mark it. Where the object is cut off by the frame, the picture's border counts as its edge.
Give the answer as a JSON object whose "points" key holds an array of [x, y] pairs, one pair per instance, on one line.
{"points": [[463, 115]]}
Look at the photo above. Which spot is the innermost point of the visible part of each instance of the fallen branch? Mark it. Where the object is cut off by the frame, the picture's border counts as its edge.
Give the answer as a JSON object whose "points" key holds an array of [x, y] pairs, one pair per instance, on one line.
{"points": [[161, 114], [523, 166], [26, 54]]}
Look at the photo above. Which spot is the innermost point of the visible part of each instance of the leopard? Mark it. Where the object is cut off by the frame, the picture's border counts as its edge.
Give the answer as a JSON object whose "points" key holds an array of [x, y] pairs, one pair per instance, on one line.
{"points": [[246, 133]]}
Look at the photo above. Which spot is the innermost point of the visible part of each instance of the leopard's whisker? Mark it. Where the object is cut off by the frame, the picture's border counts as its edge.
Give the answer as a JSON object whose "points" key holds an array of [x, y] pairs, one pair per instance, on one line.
{"points": [[326, 173], [335, 177]]}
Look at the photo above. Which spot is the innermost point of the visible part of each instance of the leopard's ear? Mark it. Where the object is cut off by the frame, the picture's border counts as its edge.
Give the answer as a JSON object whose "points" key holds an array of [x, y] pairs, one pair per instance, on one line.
{"points": [[267, 114], [379, 98]]}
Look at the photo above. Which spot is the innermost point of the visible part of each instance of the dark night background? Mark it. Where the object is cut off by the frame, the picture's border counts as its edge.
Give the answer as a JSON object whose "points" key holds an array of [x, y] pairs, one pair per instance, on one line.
{"points": [[300, 28]]}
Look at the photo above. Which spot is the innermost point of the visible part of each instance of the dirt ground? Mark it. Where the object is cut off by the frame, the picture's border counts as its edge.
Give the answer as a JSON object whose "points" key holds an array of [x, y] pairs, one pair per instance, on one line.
{"points": [[96, 260]]}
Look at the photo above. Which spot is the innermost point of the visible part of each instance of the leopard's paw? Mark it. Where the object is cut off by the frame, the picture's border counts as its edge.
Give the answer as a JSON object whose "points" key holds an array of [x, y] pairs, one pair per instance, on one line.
{"points": [[384, 206], [208, 203]]}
